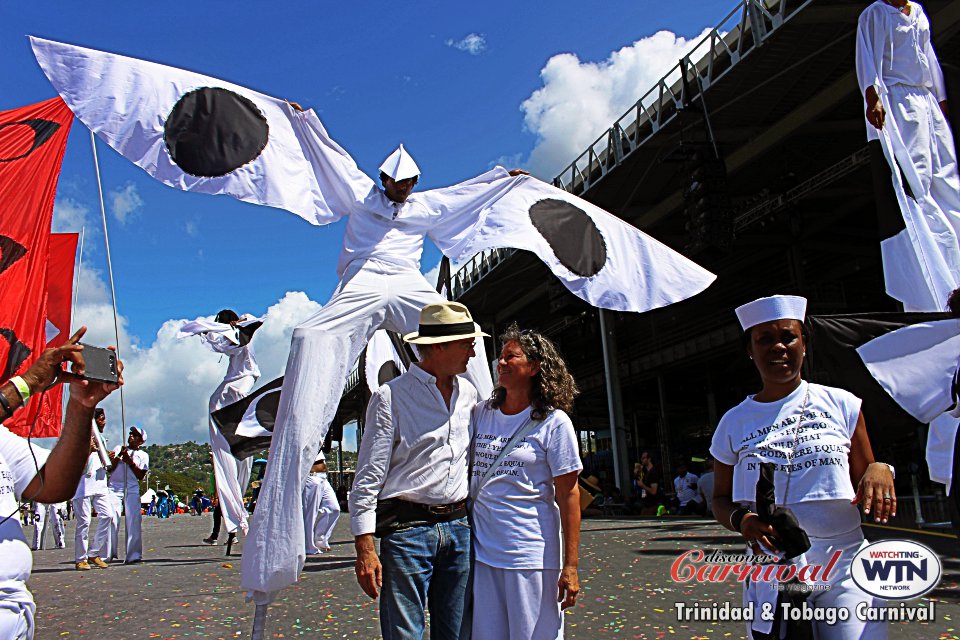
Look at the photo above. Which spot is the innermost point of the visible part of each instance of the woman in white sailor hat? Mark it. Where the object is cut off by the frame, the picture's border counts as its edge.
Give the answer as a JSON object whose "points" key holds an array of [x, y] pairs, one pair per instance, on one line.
{"points": [[807, 447]]}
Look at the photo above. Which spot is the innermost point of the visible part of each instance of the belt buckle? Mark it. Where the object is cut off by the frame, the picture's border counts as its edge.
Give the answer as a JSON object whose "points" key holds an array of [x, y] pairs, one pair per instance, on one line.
{"points": [[440, 509]]}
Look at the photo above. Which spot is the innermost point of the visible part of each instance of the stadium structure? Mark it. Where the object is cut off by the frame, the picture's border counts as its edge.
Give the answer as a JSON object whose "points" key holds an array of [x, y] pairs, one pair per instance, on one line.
{"points": [[750, 156]]}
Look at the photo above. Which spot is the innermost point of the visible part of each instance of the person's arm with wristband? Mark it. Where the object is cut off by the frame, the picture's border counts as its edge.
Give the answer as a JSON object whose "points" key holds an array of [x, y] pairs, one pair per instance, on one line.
{"points": [[57, 480]]}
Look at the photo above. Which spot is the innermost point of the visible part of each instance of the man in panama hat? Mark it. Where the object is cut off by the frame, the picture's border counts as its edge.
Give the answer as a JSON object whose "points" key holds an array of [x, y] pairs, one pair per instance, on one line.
{"points": [[410, 488]]}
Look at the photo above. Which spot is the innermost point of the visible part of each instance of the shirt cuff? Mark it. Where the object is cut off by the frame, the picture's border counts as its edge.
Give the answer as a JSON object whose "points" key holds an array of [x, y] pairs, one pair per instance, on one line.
{"points": [[363, 523]]}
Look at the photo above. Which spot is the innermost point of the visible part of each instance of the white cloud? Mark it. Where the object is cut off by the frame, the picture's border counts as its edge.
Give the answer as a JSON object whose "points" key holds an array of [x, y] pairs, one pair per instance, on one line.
{"points": [[580, 100], [473, 43], [69, 216], [191, 228], [168, 383], [124, 202]]}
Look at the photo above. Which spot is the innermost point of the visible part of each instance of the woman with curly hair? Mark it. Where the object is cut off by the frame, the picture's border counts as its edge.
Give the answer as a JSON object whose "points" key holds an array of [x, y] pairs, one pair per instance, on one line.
{"points": [[526, 505]]}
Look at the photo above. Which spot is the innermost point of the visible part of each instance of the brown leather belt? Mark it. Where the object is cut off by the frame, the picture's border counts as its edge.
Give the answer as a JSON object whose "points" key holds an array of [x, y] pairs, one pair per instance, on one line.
{"points": [[437, 509]]}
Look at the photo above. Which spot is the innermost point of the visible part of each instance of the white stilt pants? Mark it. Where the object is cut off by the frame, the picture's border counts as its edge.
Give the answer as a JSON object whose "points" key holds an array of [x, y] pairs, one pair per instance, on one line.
{"points": [[370, 296], [16, 612], [516, 604], [132, 522], [232, 475], [82, 512], [320, 513]]}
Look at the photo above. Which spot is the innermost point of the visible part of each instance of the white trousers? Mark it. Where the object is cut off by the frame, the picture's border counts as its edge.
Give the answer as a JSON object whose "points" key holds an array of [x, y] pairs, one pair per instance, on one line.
{"points": [[232, 475], [323, 349], [132, 522], [47, 516], [941, 443], [922, 266], [82, 513], [516, 604], [843, 592], [321, 510]]}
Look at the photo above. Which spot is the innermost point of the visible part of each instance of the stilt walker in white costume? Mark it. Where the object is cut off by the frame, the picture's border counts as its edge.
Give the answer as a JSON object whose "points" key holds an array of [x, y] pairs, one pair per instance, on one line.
{"points": [[906, 107], [92, 490], [321, 510], [229, 334], [380, 287]]}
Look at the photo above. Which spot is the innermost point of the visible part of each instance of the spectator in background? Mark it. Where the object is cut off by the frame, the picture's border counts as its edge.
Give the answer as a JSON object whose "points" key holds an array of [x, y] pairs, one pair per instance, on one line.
{"points": [[650, 482], [128, 466], [92, 489], [685, 486]]}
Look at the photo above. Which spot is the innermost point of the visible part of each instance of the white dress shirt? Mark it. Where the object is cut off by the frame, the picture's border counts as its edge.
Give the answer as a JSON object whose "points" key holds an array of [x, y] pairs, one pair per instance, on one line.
{"points": [[414, 447]]}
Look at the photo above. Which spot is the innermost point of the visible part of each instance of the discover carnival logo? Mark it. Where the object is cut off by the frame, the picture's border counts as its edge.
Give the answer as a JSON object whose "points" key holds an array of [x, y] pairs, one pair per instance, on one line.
{"points": [[896, 569]]}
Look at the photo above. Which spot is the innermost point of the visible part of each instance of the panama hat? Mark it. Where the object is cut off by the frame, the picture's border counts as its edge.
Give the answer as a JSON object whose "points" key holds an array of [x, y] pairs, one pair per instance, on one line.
{"points": [[444, 322]]}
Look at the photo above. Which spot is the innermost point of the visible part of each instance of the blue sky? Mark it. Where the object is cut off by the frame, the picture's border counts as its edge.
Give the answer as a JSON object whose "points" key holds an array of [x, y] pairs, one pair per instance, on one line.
{"points": [[461, 85]]}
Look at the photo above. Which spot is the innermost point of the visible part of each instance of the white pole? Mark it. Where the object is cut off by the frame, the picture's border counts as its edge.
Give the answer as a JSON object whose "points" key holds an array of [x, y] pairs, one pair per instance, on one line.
{"points": [[113, 292]]}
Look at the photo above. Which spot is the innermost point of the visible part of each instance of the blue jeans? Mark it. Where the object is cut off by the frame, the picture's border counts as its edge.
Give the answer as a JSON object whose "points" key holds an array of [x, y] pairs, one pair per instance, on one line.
{"points": [[426, 567]]}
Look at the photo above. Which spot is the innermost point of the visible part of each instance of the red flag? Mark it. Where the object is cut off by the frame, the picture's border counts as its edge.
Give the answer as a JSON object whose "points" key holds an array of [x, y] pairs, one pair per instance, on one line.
{"points": [[63, 253], [32, 142]]}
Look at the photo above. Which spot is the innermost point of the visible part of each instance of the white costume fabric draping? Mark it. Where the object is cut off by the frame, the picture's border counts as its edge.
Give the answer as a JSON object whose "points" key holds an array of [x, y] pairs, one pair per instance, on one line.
{"points": [[231, 475], [47, 516], [895, 56], [272, 154], [92, 489], [917, 365], [380, 352], [320, 513]]}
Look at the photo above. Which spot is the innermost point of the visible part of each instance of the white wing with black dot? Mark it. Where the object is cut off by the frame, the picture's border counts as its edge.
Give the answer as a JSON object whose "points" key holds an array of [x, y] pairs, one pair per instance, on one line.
{"points": [[197, 133]]}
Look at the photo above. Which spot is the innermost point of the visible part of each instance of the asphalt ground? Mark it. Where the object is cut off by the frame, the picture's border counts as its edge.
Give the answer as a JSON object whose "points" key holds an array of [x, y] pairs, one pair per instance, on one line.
{"points": [[185, 589]]}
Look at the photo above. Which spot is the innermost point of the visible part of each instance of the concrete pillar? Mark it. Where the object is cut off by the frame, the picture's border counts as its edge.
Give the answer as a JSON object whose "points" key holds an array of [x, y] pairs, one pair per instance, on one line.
{"points": [[618, 433]]}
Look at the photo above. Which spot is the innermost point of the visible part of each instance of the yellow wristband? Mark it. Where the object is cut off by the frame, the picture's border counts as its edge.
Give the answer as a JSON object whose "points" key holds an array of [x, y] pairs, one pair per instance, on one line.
{"points": [[22, 388]]}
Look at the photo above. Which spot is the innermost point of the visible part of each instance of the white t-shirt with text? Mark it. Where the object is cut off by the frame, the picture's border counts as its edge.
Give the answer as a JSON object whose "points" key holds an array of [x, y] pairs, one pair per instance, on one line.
{"points": [[515, 517]]}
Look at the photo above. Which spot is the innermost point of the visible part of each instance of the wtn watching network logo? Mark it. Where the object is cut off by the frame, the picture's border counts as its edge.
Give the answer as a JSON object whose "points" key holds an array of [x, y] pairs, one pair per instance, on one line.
{"points": [[896, 569]]}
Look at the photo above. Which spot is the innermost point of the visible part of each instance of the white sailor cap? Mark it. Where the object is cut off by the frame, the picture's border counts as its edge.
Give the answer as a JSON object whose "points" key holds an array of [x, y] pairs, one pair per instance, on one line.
{"points": [[399, 165], [772, 308], [320, 457]]}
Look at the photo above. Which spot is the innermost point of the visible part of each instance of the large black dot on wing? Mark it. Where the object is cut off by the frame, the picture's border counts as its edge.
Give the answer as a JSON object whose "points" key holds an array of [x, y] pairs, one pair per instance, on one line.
{"points": [[211, 132], [266, 412], [571, 234]]}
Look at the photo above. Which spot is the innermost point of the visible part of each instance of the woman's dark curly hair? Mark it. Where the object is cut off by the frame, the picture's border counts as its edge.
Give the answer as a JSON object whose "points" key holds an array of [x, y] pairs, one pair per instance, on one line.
{"points": [[553, 387]]}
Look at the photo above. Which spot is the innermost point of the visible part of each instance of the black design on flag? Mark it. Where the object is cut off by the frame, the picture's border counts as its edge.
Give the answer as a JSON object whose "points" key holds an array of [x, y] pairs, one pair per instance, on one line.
{"points": [[571, 234], [10, 252], [247, 424], [212, 131], [33, 133], [17, 353]]}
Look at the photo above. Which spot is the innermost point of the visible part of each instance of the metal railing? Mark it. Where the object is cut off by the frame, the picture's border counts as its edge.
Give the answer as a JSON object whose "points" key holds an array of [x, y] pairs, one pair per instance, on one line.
{"points": [[742, 31], [475, 269]]}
